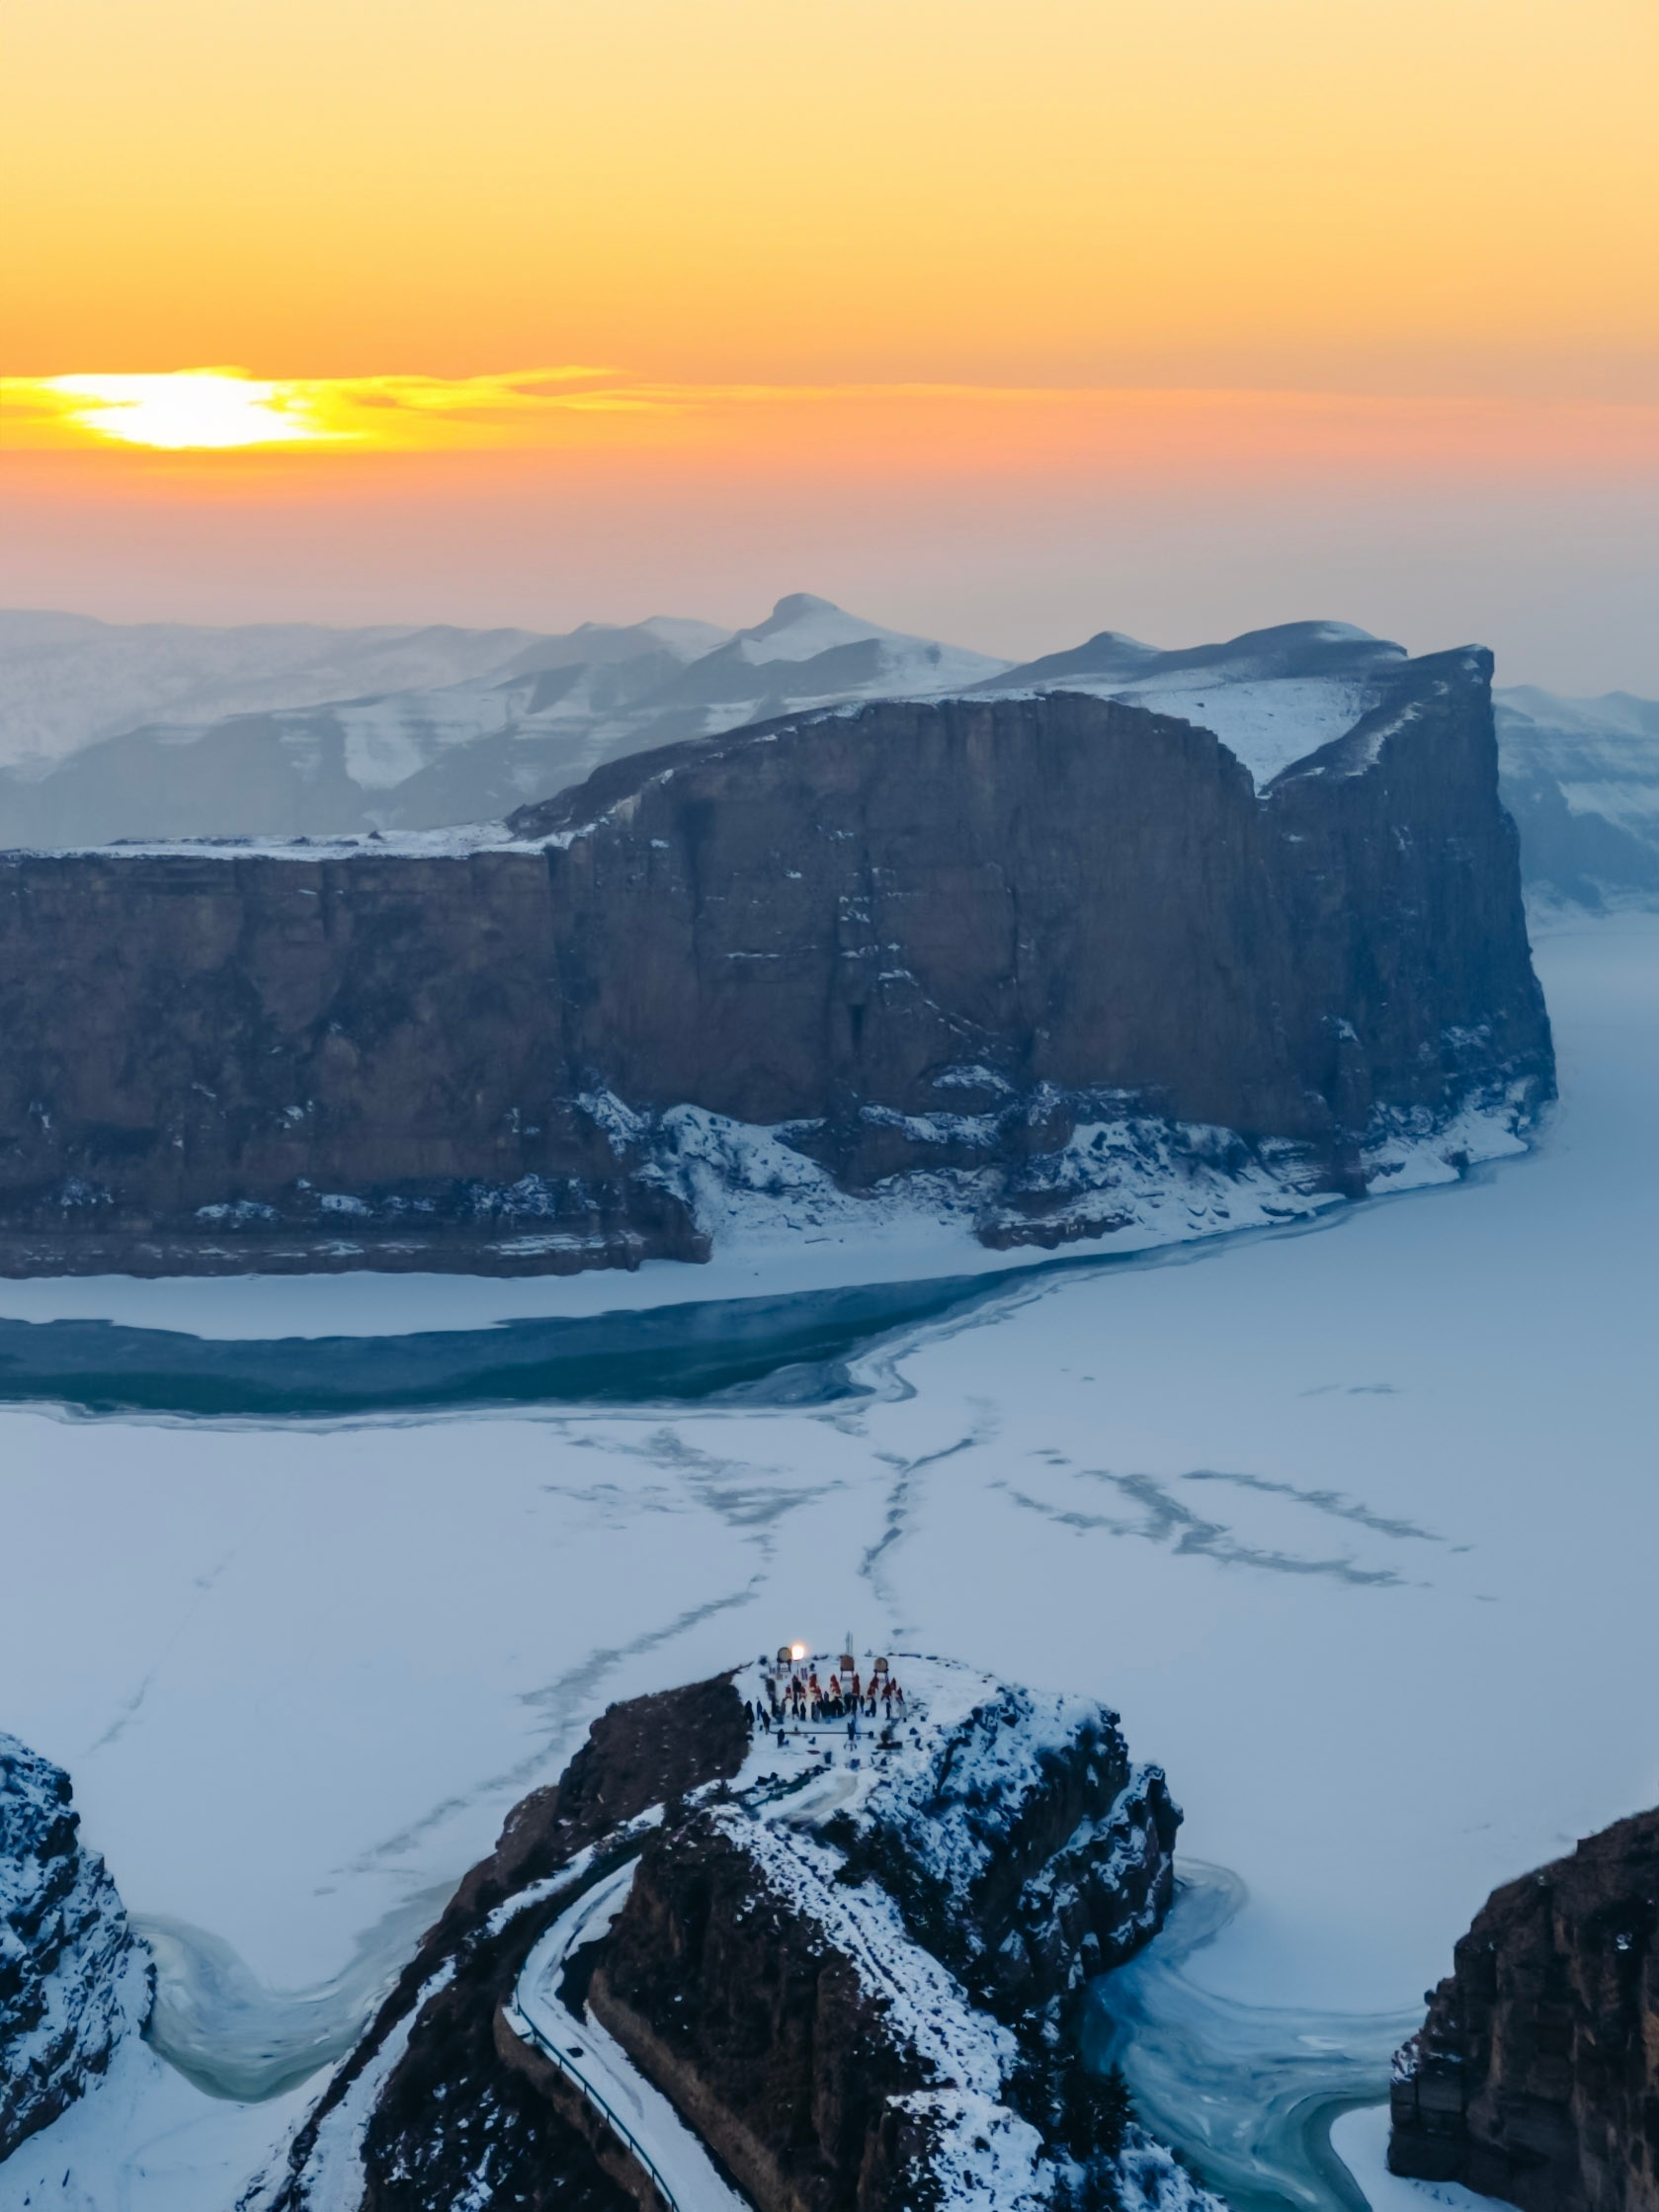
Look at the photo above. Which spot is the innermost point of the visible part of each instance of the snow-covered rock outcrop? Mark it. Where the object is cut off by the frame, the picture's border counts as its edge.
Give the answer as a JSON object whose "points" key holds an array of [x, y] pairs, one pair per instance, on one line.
{"points": [[1022, 1845], [73, 1979], [855, 1965], [715, 1922]]}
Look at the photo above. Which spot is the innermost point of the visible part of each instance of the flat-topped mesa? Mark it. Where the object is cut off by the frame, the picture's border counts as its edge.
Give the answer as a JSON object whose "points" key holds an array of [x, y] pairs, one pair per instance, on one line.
{"points": [[1053, 951], [712, 1926]]}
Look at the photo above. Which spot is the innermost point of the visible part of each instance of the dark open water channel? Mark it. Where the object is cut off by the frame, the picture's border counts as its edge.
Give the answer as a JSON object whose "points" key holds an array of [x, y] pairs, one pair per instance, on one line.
{"points": [[781, 1351]]}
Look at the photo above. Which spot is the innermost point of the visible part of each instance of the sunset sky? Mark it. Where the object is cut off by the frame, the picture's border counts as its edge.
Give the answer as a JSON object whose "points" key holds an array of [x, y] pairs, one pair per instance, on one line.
{"points": [[1007, 323]]}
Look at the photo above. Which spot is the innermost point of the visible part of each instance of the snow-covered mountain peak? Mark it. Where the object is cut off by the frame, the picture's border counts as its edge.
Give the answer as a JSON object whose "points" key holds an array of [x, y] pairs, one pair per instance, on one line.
{"points": [[1271, 695], [612, 644], [685, 637], [1612, 715], [801, 626]]}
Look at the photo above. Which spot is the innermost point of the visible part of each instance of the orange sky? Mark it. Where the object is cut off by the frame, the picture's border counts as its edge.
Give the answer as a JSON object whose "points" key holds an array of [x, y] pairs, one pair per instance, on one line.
{"points": [[1389, 193], [1297, 251]]}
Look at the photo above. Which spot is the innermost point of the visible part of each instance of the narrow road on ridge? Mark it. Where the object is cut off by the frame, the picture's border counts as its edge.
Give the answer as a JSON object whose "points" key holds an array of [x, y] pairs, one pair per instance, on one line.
{"points": [[640, 2115]]}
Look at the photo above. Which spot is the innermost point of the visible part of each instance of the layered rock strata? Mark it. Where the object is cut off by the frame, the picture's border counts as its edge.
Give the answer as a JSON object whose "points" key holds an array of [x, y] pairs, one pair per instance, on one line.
{"points": [[1035, 957], [1536, 2077], [73, 1981]]}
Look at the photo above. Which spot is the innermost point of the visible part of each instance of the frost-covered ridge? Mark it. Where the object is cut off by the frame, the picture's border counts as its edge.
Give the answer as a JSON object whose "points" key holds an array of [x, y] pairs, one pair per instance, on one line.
{"points": [[73, 1979]]}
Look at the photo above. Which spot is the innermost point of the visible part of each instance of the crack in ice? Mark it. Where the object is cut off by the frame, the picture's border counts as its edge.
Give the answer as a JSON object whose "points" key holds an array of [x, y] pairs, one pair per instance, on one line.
{"points": [[1166, 1520]]}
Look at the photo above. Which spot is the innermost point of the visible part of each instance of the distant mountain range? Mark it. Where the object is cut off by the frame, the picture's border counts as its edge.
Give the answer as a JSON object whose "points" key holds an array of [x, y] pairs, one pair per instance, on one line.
{"points": [[1581, 778], [159, 731]]}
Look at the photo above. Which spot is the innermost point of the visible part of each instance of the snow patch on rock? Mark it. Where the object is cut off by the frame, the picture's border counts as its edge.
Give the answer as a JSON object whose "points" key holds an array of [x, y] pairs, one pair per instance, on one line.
{"points": [[981, 2153], [1130, 1182], [1150, 2176], [1412, 1149], [1124, 1181]]}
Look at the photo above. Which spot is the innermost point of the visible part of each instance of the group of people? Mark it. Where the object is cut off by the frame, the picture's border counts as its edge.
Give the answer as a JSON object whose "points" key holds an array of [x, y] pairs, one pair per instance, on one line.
{"points": [[846, 1696]]}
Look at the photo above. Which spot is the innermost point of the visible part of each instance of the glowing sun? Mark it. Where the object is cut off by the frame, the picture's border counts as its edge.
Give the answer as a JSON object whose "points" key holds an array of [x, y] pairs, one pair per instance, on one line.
{"points": [[190, 407]]}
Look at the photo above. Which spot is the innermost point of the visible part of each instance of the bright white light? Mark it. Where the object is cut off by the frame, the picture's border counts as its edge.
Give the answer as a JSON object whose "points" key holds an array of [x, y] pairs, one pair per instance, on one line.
{"points": [[200, 407], [798, 1651]]}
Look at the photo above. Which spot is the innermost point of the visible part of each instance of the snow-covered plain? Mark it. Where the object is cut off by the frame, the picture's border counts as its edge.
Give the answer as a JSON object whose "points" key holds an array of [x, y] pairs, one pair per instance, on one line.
{"points": [[1355, 1523]]}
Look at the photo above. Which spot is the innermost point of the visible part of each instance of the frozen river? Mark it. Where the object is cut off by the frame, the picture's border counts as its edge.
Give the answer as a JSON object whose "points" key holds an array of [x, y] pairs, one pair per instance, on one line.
{"points": [[1356, 1525]]}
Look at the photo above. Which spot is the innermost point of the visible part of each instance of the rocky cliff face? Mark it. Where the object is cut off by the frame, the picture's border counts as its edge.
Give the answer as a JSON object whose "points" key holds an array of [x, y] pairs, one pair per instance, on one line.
{"points": [[732, 1997], [866, 2010], [426, 2102], [763, 1978], [1536, 2077], [1016, 945], [72, 1979]]}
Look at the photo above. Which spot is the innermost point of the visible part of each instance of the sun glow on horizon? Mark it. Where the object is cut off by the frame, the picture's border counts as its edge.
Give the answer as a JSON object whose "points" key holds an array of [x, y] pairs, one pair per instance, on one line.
{"points": [[213, 420], [205, 409], [227, 410]]}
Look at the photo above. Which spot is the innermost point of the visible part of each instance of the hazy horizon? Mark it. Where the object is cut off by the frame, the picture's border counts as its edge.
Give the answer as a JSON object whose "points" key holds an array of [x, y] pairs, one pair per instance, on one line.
{"points": [[1036, 636]]}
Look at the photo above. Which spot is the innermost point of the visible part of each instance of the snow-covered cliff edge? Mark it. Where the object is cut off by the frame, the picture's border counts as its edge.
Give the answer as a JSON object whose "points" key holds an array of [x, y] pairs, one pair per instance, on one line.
{"points": [[73, 1979], [690, 1934]]}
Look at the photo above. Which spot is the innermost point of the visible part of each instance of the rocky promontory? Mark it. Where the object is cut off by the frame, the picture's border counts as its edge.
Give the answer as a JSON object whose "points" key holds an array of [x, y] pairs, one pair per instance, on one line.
{"points": [[791, 1954], [73, 1981], [1536, 2077], [1048, 964]]}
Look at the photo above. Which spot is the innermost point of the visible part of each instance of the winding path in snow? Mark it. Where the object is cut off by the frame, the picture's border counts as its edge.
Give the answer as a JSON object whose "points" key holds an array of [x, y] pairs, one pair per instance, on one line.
{"points": [[640, 2115]]}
